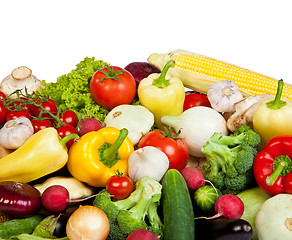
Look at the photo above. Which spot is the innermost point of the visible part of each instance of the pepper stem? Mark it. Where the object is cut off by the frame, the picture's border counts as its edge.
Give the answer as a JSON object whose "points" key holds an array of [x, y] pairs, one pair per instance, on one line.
{"points": [[109, 155], [161, 82], [277, 103], [281, 166], [67, 138]]}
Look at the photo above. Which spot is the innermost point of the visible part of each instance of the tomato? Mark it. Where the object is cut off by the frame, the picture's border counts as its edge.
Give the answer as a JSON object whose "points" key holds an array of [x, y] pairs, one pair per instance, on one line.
{"points": [[3, 114], [41, 124], [16, 114], [176, 149], [112, 86], [65, 130], [49, 104], [2, 96], [120, 187], [193, 99], [19, 105], [69, 117]]}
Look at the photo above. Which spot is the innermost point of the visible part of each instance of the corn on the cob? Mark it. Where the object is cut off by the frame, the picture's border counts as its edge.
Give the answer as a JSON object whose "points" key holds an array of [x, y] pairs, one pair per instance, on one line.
{"points": [[198, 72]]}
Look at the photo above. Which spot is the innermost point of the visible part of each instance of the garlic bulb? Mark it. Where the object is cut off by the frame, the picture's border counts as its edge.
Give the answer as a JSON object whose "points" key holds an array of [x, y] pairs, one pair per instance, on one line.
{"points": [[147, 161], [223, 95], [15, 132]]}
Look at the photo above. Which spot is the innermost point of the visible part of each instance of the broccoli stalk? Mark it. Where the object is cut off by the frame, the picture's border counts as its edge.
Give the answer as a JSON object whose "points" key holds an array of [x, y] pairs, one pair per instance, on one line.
{"points": [[230, 159], [130, 214]]}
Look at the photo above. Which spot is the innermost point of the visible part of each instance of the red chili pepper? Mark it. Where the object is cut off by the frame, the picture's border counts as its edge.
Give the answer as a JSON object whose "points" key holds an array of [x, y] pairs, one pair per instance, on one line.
{"points": [[272, 166]]}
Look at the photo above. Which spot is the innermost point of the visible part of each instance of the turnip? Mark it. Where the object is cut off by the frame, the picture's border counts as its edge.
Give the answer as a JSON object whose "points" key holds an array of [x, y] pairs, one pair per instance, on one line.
{"points": [[141, 70], [87, 125], [142, 234], [56, 198], [193, 177]]}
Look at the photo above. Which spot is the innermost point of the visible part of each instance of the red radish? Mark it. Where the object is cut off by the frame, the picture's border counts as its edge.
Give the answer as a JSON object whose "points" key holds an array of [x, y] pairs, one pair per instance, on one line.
{"points": [[56, 198], [229, 206], [193, 177], [19, 199], [87, 125], [142, 234]]}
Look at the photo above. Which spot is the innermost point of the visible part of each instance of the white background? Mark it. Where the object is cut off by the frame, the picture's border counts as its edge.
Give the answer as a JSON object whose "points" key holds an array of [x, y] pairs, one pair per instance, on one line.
{"points": [[50, 37]]}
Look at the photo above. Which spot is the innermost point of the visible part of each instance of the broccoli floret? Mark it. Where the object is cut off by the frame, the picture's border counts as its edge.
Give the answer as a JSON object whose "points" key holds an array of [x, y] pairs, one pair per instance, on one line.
{"points": [[134, 218], [104, 202], [230, 159], [139, 210], [115, 232]]}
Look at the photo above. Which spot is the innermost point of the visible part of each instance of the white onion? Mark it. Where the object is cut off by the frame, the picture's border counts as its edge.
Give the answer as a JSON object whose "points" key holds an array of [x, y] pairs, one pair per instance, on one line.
{"points": [[197, 125]]}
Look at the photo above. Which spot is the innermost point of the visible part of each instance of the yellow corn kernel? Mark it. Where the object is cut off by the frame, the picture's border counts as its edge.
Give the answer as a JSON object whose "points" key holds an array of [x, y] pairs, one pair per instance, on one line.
{"points": [[198, 72]]}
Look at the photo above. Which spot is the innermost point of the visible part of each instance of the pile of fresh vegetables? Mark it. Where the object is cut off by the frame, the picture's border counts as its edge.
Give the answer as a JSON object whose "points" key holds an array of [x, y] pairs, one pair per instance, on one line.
{"points": [[108, 153]]}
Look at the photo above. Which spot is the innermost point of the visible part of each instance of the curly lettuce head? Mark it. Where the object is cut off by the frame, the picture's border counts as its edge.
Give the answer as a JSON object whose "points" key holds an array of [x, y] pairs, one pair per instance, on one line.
{"points": [[71, 91]]}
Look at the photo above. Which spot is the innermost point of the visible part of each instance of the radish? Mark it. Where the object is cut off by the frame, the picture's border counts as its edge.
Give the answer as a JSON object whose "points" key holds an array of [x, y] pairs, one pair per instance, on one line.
{"points": [[229, 206], [142, 234], [56, 198], [193, 177], [87, 125]]}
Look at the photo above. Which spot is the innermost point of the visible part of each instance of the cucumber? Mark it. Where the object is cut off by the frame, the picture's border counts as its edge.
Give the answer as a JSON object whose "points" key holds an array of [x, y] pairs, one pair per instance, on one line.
{"points": [[18, 226], [178, 214]]}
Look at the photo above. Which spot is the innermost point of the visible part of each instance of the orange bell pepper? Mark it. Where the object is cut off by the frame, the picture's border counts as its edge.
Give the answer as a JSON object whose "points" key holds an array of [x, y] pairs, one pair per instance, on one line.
{"points": [[97, 155]]}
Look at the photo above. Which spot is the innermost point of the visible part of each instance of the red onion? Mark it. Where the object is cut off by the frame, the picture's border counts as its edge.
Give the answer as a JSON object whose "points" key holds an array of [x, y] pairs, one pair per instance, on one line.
{"points": [[141, 70], [19, 199]]}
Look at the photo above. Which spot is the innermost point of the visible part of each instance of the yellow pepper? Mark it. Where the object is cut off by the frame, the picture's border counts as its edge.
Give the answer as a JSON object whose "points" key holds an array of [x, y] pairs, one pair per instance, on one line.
{"points": [[162, 95], [42, 154], [97, 155], [273, 117]]}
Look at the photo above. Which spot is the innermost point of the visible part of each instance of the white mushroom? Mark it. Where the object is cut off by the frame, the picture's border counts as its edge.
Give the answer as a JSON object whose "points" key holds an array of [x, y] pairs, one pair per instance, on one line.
{"points": [[19, 79], [244, 111]]}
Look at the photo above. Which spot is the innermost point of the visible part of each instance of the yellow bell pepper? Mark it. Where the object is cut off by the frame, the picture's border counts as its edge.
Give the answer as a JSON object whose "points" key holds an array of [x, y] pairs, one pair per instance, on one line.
{"points": [[162, 95], [97, 155], [42, 154], [273, 117]]}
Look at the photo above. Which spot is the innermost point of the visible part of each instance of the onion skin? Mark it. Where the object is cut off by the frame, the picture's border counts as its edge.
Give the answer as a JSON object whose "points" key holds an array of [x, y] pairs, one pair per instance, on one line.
{"points": [[88, 222], [19, 199], [141, 70]]}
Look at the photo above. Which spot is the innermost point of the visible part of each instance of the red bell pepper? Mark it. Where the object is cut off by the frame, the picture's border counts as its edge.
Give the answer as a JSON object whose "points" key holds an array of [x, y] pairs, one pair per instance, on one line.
{"points": [[272, 166]]}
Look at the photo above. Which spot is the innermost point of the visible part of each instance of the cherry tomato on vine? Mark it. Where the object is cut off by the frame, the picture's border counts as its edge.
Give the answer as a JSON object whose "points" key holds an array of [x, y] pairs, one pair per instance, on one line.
{"points": [[69, 117], [16, 114], [2, 96], [49, 104], [195, 99], [175, 148], [120, 187], [19, 105], [65, 130], [3, 114], [41, 124], [112, 86]]}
